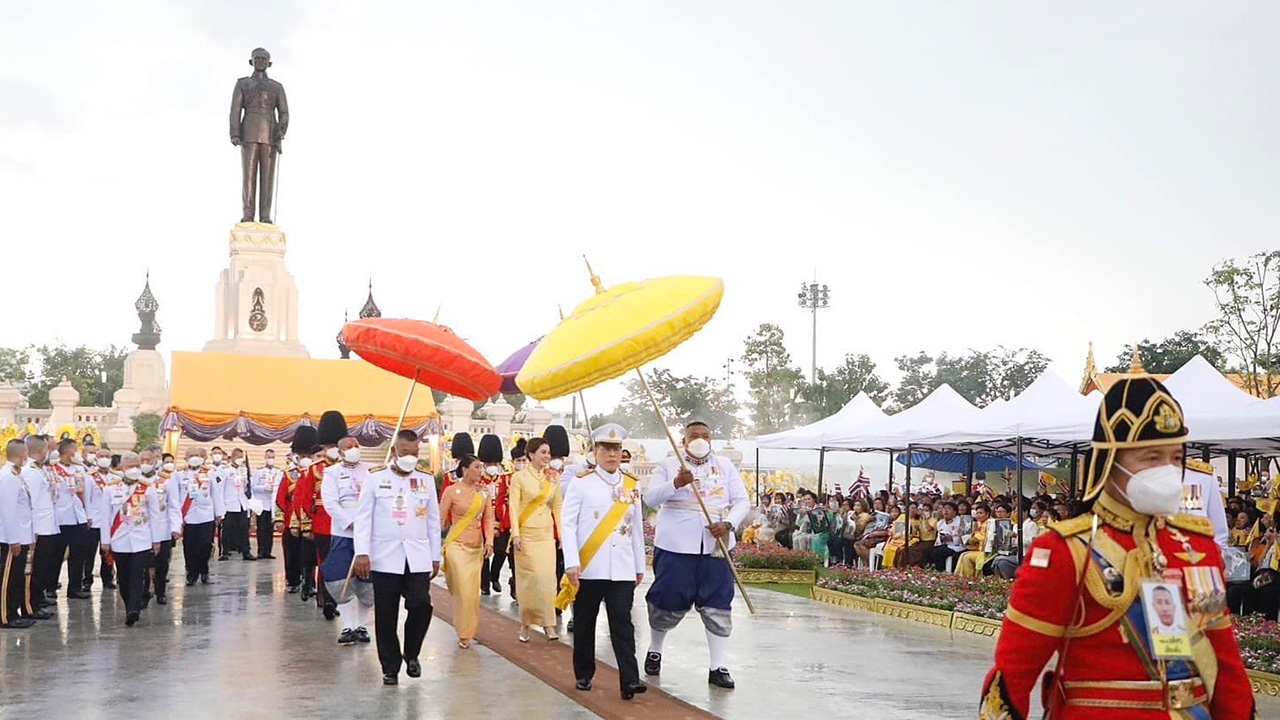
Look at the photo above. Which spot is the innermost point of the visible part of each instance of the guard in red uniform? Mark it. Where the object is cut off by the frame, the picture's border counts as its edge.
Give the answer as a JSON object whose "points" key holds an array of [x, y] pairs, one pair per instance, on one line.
{"points": [[288, 521], [495, 471], [317, 527], [1130, 595]]}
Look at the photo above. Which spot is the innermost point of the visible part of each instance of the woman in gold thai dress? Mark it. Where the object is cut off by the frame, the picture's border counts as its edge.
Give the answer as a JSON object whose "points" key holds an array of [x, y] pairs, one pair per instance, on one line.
{"points": [[534, 498], [467, 509]]}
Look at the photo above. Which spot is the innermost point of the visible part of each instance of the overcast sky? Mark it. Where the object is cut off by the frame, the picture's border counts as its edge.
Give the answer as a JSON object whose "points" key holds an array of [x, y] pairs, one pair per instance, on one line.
{"points": [[961, 174]]}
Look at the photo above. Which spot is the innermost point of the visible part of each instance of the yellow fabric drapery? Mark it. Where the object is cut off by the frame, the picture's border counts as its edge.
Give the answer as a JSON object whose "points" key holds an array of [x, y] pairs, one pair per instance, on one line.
{"points": [[213, 388]]}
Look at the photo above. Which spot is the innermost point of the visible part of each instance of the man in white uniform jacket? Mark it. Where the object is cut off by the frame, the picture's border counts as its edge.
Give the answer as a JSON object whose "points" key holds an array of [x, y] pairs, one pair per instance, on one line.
{"points": [[616, 564], [16, 535], [1201, 496], [688, 571], [398, 545], [132, 535], [341, 494]]}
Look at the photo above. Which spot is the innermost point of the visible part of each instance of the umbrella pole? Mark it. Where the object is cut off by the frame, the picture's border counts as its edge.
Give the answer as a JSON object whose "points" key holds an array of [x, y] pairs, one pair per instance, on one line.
{"points": [[679, 456]]}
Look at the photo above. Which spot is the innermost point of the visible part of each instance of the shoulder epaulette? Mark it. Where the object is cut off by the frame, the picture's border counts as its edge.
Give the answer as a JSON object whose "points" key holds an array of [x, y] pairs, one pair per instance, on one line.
{"points": [[377, 468], [1073, 526], [1199, 466], [588, 471], [1193, 523], [633, 477]]}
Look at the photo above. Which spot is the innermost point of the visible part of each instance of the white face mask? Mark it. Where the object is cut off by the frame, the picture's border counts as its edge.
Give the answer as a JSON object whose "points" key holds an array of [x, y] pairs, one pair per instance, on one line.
{"points": [[492, 470], [147, 469], [270, 462], [407, 463], [332, 453], [216, 457], [699, 448], [104, 463], [304, 463], [520, 464], [168, 467], [351, 456], [77, 458], [557, 464], [1155, 491], [238, 461], [195, 461], [132, 474]]}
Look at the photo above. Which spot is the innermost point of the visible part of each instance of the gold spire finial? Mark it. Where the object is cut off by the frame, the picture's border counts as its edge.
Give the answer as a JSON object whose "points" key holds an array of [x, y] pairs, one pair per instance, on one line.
{"points": [[595, 279], [1090, 370], [561, 311], [436, 320], [1135, 365]]}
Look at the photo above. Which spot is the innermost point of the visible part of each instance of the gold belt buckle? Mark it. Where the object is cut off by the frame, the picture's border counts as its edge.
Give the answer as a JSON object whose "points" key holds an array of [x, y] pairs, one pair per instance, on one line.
{"points": [[1181, 695]]}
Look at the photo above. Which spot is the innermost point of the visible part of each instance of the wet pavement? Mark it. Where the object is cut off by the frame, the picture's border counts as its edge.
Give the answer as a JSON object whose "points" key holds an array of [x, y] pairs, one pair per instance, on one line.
{"points": [[242, 648]]}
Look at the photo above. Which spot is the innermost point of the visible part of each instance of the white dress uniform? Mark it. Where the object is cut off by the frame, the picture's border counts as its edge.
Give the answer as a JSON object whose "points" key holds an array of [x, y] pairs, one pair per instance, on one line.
{"points": [[589, 498], [341, 494], [234, 481], [69, 505], [1201, 496], [199, 494], [97, 489], [130, 535], [44, 492], [682, 528], [266, 480], [15, 529]]}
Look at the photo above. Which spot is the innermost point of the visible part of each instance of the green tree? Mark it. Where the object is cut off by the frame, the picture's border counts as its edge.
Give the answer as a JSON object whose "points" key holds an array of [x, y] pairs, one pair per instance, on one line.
{"points": [[147, 428], [15, 366], [979, 376], [918, 380], [836, 388], [1171, 353], [95, 374], [1247, 294], [1014, 370], [774, 384], [683, 399]]}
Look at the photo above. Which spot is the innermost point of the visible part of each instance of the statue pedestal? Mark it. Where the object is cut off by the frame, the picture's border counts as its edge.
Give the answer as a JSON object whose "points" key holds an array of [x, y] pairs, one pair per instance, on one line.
{"points": [[257, 300], [145, 374]]}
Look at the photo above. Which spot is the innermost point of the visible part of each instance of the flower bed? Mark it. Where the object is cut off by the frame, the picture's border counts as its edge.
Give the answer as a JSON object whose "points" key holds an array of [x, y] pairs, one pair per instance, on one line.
{"points": [[1259, 643], [984, 597], [774, 557]]}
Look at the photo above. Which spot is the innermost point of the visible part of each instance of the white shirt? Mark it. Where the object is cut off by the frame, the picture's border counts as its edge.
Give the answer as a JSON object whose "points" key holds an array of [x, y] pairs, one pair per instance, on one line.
{"points": [[16, 519], [682, 528], [234, 480], [1210, 505], [96, 486], [130, 530], [266, 480], [1030, 529], [206, 500], [43, 491], [165, 489], [588, 500], [398, 522], [69, 506], [340, 491], [952, 528]]}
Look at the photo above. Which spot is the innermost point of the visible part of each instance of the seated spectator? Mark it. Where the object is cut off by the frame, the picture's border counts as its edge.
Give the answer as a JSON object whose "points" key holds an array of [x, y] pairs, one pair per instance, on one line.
{"points": [[948, 543], [974, 556]]}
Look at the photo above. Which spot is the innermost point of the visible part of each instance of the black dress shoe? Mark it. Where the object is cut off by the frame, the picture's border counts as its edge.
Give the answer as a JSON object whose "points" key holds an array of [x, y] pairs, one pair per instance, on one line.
{"points": [[294, 589], [330, 612], [362, 635], [17, 624], [631, 690], [347, 637], [162, 600], [390, 678], [413, 668], [223, 557], [266, 557], [204, 579], [721, 678], [484, 590], [497, 587], [109, 586], [250, 557], [191, 581], [583, 685], [78, 594], [38, 615], [653, 664], [131, 619]]}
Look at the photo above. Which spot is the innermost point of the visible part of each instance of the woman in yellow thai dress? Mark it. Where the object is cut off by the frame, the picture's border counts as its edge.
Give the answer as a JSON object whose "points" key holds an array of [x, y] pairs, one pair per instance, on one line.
{"points": [[467, 509], [534, 499], [975, 556]]}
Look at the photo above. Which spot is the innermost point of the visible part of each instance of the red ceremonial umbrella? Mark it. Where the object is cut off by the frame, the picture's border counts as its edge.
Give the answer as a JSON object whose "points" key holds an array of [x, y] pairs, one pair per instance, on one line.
{"points": [[425, 353]]}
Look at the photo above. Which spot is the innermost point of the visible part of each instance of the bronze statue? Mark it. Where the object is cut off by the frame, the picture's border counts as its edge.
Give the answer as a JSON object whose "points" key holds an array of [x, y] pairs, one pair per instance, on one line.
{"points": [[259, 119]]}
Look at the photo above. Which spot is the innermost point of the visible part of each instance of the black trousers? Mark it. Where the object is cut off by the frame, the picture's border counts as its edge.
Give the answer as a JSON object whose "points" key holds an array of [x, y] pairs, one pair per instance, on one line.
{"points": [[74, 542], [44, 574], [197, 546], [618, 596], [938, 555], [159, 566], [322, 552], [131, 569], [388, 588], [266, 533], [307, 559], [235, 532], [292, 545], [92, 541], [502, 554], [13, 590]]}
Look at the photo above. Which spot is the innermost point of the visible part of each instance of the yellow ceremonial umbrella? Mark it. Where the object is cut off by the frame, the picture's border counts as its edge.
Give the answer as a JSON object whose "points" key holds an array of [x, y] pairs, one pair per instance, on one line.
{"points": [[618, 330]]}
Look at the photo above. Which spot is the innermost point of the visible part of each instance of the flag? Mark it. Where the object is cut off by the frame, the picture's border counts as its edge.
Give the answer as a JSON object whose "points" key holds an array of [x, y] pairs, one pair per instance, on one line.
{"points": [[1045, 481], [861, 486]]}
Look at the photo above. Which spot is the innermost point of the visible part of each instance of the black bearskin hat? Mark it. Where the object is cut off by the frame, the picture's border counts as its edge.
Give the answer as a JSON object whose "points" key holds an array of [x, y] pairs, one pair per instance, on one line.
{"points": [[558, 440], [333, 427], [490, 450], [304, 440], [461, 445], [1137, 412], [519, 450]]}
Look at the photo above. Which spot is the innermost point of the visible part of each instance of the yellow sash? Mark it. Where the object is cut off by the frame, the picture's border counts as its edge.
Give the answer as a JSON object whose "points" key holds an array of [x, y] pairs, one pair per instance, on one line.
{"points": [[532, 507], [609, 523], [456, 530]]}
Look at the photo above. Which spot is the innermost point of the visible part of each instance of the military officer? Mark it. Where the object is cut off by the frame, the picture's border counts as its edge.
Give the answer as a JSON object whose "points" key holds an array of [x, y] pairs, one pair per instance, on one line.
{"points": [[73, 517], [131, 536], [398, 546], [266, 480], [340, 491], [162, 483], [290, 518], [195, 507], [16, 534], [43, 490], [309, 497], [687, 566], [1201, 496], [259, 120], [1091, 588], [235, 504], [603, 537], [97, 489]]}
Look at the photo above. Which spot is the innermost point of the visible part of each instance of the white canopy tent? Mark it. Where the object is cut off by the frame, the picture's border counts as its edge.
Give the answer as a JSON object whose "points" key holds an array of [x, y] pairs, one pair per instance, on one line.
{"points": [[859, 415], [944, 409]]}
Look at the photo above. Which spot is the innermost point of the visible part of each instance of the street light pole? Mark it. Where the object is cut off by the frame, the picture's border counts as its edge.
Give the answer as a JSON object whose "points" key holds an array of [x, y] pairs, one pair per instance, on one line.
{"points": [[814, 297]]}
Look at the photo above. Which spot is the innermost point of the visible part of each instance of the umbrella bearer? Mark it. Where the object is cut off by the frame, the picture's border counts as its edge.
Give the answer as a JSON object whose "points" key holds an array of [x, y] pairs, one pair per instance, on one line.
{"points": [[494, 475], [288, 518], [332, 428], [688, 570], [340, 491]]}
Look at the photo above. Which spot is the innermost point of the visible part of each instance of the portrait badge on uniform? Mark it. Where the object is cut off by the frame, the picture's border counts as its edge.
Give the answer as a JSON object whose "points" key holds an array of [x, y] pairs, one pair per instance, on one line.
{"points": [[1166, 614], [400, 511], [1039, 558]]}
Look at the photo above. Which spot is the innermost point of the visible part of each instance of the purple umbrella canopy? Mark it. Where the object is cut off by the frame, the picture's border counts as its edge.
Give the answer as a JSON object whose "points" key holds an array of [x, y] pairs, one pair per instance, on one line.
{"points": [[511, 367]]}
